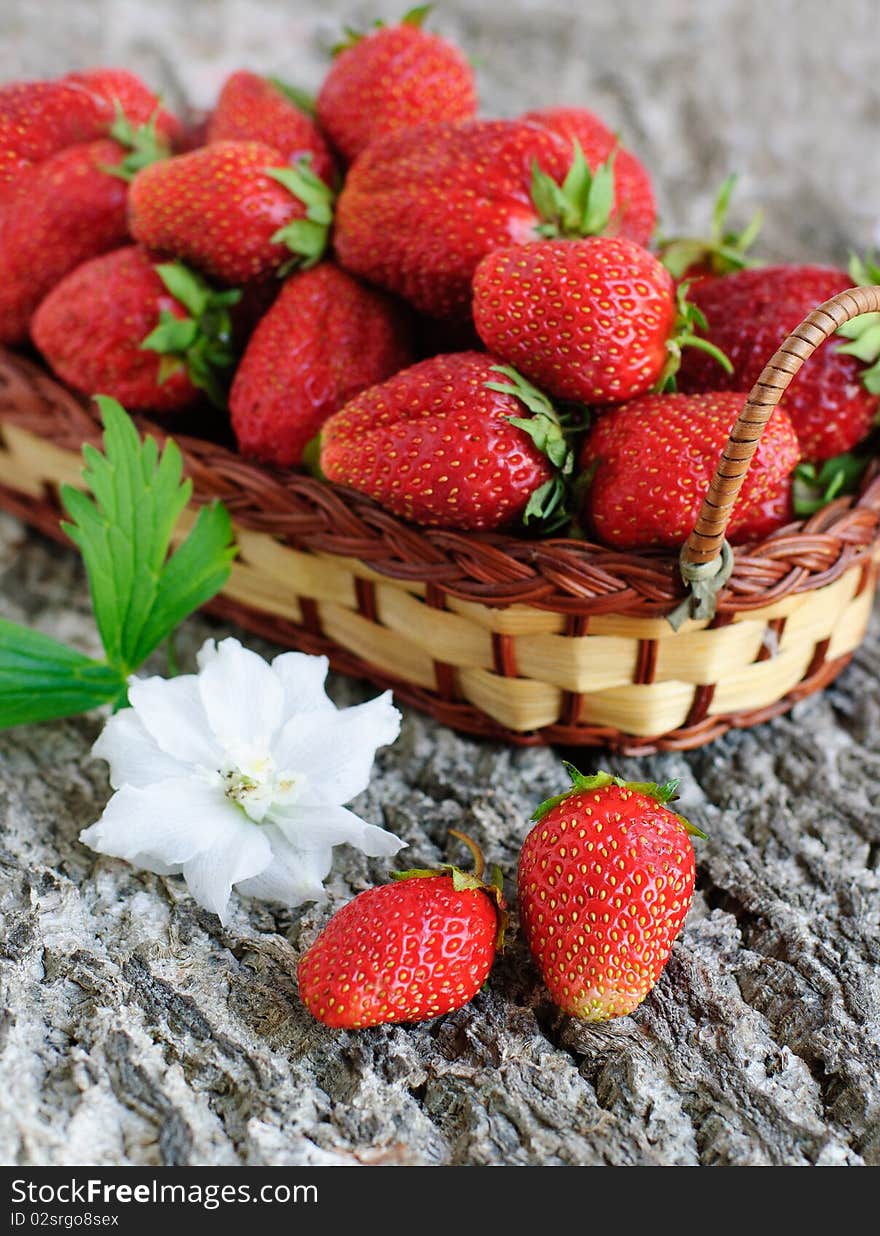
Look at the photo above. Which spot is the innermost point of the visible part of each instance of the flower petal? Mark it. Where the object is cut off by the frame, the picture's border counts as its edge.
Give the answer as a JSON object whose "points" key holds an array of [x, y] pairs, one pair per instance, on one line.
{"points": [[134, 756], [242, 698], [241, 854], [293, 876], [167, 823], [314, 828], [302, 678], [172, 713], [336, 750]]}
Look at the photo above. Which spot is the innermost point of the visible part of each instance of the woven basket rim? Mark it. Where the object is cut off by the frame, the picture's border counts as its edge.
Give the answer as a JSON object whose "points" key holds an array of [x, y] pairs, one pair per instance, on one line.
{"points": [[574, 577]]}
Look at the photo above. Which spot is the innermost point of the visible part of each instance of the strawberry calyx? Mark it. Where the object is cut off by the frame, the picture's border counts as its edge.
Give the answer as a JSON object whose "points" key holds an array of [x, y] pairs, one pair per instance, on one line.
{"points": [[863, 332], [413, 17], [816, 485], [468, 881], [664, 793], [688, 320], [551, 431], [582, 205], [301, 99], [723, 251], [200, 343], [306, 238], [143, 143]]}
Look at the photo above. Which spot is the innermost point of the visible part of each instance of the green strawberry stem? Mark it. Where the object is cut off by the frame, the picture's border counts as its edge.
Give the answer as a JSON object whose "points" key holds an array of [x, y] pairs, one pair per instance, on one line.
{"points": [[201, 343], [306, 238], [864, 331], [551, 432], [144, 144], [463, 881], [723, 251], [664, 793], [581, 205], [688, 320]]}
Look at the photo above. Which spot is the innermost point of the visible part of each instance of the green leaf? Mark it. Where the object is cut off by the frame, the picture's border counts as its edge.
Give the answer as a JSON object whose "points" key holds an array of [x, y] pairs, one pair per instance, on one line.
{"points": [[581, 205], [194, 574], [301, 99], [124, 532], [307, 238], [41, 680], [172, 335], [416, 16], [723, 250], [143, 143], [817, 485]]}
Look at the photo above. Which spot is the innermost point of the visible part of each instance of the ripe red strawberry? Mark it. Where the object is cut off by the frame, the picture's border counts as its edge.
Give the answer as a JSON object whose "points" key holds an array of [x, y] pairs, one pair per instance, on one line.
{"points": [[447, 443], [421, 208], [326, 338], [262, 109], [393, 78], [37, 119], [231, 209], [405, 952], [59, 213], [749, 314], [652, 459], [594, 320], [633, 192], [147, 334], [606, 877], [126, 92]]}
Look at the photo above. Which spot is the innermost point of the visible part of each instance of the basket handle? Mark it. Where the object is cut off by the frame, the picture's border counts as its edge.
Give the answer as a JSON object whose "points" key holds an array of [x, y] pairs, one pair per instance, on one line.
{"points": [[705, 556]]}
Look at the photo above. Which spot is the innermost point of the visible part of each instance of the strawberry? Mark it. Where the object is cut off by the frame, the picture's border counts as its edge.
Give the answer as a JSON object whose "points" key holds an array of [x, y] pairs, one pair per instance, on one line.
{"points": [[420, 208], [326, 338], [594, 320], [126, 93], [447, 443], [633, 192], [60, 212], [231, 209], [391, 79], [606, 877], [37, 119], [651, 461], [147, 334], [407, 951], [749, 314], [263, 109]]}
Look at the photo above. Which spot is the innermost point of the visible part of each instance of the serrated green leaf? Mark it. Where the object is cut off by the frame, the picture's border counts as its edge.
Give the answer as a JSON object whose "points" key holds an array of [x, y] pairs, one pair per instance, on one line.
{"points": [[41, 679], [194, 573]]}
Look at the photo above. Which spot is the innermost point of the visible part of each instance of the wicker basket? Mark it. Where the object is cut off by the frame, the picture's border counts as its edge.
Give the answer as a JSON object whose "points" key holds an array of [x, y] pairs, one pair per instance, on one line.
{"points": [[529, 641]]}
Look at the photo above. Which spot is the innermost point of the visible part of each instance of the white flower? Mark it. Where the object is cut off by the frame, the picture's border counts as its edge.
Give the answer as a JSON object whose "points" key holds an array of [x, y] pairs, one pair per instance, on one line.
{"points": [[237, 775]]}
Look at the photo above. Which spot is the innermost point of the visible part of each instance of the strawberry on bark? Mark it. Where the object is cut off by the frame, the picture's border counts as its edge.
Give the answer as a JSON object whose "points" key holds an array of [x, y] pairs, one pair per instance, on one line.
{"points": [[151, 335], [325, 339], [650, 462], [408, 951], [606, 878], [421, 208], [234, 210], [595, 320], [393, 78], [456, 441], [831, 402], [61, 212], [264, 109]]}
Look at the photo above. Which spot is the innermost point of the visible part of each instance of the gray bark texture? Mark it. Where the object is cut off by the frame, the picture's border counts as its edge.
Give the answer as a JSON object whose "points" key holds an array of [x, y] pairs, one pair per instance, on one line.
{"points": [[134, 1029]]}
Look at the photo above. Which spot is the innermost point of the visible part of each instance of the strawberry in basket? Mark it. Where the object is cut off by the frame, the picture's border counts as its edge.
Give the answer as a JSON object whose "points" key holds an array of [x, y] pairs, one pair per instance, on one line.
{"points": [[149, 334], [234, 210], [63, 211], [457, 441], [326, 338], [263, 109], [421, 208], [37, 119], [832, 403], [393, 78], [650, 462]]}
